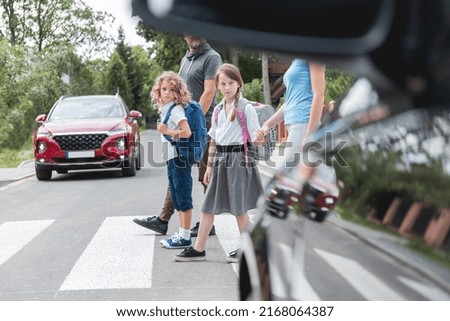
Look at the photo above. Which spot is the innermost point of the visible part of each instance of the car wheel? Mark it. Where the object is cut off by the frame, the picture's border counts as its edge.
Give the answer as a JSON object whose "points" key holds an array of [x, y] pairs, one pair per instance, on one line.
{"points": [[43, 174], [245, 287], [129, 168], [138, 160], [318, 216]]}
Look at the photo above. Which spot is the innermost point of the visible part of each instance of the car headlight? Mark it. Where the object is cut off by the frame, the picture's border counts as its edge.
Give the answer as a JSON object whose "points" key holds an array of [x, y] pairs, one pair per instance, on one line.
{"points": [[120, 130], [121, 143], [43, 133], [41, 147]]}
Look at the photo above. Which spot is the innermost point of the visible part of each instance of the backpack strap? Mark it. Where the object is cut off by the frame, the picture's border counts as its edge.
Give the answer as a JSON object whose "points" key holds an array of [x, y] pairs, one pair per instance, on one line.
{"points": [[216, 113], [242, 104], [166, 120]]}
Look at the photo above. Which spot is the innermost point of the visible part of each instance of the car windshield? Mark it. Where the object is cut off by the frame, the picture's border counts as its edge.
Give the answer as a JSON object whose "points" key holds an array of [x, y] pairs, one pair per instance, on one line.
{"points": [[87, 108]]}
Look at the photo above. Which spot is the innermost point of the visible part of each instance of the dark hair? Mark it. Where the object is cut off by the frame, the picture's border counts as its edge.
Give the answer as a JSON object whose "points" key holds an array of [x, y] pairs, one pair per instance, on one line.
{"points": [[232, 72]]}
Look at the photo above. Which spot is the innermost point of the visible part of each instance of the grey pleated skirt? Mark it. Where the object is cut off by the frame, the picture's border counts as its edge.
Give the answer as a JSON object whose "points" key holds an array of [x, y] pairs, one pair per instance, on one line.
{"points": [[234, 188]]}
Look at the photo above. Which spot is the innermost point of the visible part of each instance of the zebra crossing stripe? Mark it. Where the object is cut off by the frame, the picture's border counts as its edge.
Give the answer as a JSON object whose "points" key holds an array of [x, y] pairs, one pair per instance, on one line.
{"points": [[294, 271], [119, 256], [430, 292], [15, 235], [228, 234], [362, 280]]}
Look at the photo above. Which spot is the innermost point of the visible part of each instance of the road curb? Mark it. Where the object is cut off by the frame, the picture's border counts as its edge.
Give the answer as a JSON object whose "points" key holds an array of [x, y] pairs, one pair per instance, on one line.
{"points": [[402, 259], [12, 175], [13, 180]]}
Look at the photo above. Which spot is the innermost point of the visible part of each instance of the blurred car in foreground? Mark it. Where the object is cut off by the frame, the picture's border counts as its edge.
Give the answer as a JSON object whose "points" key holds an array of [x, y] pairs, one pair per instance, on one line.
{"points": [[317, 198], [87, 132], [320, 193], [390, 137]]}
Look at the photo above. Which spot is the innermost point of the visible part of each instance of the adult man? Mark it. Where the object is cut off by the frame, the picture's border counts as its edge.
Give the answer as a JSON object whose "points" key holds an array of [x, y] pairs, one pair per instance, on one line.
{"points": [[198, 68]]}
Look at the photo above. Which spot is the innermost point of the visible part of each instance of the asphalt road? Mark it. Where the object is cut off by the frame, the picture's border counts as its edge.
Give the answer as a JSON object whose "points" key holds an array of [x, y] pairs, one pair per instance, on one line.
{"points": [[72, 238]]}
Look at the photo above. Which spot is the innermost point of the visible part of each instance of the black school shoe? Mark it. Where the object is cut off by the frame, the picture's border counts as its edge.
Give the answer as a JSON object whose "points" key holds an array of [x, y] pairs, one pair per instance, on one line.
{"points": [[232, 257], [194, 230], [190, 255], [153, 224]]}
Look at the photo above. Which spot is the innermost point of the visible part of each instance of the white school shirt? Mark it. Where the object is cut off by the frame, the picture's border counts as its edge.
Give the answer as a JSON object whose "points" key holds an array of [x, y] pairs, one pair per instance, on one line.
{"points": [[227, 132], [177, 115]]}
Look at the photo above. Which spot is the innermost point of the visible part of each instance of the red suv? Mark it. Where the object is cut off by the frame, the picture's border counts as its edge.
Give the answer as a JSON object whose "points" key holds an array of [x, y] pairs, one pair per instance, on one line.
{"points": [[87, 132]]}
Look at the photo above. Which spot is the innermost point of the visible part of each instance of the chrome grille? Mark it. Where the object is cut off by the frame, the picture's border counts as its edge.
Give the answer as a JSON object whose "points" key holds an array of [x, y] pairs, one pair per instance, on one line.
{"points": [[80, 142]]}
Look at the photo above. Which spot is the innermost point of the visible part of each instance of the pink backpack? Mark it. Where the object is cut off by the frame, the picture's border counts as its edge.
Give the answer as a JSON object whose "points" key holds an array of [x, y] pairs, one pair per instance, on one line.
{"points": [[264, 112]]}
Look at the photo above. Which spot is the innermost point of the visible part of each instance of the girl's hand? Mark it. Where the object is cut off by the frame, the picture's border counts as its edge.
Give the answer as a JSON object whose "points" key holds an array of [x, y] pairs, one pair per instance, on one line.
{"points": [[162, 128], [207, 176], [260, 137]]}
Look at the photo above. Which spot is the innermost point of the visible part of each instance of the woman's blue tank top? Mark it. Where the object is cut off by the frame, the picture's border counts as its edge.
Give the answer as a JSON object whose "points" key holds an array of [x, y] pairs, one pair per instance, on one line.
{"points": [[298, 96]]}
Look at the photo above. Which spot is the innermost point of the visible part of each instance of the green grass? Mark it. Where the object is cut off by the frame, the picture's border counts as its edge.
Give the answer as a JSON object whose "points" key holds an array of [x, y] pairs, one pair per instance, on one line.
{"points": [[442, 257], [14, 157], [418, 245], [351, 216]]}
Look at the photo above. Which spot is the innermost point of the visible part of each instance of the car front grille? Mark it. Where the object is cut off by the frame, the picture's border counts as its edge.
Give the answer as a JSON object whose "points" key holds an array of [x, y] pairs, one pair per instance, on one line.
{"points": [[80, 142]]}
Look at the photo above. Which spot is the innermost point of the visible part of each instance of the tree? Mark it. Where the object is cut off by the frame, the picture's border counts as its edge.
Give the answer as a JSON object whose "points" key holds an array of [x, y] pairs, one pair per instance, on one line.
{"points": [[337, 83], [116, 78], [168, 48], [13, 105], [144, 75], [47, 23], [97, 69], [138, 73], [30, 83]]}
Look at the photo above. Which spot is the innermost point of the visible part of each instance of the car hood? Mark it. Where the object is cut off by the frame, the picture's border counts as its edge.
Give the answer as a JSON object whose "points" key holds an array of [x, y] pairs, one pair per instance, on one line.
{"points": [[83, 125]]}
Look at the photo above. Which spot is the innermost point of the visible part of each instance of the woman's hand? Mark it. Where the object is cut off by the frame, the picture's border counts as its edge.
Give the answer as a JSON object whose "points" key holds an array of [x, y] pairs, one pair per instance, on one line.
{"points": [[264, 130]]}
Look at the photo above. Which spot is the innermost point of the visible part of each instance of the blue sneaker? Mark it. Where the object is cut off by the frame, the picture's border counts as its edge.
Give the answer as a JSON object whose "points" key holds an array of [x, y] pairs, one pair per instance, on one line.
{"points": [[175, 242]]}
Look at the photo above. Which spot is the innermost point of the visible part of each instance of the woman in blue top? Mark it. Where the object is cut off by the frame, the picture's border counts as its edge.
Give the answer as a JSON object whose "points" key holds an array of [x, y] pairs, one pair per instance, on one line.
{"points": [[302, 109]]}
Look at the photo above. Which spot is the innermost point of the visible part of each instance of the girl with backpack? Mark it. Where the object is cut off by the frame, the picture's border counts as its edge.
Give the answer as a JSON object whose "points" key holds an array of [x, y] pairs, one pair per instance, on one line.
{"points": [[234, 183], [171, 95]]}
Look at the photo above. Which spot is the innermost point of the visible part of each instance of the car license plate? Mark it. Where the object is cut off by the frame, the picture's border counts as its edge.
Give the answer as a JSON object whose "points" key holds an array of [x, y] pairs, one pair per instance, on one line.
{"points": [[81, 154]]}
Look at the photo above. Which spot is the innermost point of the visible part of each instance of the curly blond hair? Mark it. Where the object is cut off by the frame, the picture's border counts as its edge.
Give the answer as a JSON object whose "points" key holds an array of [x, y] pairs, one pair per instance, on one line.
{"points": [[182, 93]]}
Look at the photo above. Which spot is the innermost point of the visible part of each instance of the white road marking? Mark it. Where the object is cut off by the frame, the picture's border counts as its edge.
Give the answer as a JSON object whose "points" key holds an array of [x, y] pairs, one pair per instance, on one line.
{"points": [[430, 292], [119, 256], [228, 233], [303, 289], [15, 235], [363, 281]]}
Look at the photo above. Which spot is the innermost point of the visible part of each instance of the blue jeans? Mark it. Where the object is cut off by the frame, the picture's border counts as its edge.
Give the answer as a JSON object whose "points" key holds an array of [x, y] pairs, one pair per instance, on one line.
{"points": [[180, 182]]}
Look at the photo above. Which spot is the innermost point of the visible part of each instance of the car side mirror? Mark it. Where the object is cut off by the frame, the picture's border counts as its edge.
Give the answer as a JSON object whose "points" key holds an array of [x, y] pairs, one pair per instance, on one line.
{"points": [[220, 21], [135, 114], [41, 118]]}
